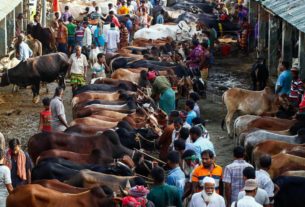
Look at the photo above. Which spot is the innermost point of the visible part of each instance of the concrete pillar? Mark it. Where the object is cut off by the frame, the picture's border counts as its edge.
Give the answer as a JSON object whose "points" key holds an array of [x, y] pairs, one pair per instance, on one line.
{"points": [[5, 36], [272, 44], [2, 35], [14, 23], [253, 18], [302, 54], [263, 19], [286, 42], [44, 13]]}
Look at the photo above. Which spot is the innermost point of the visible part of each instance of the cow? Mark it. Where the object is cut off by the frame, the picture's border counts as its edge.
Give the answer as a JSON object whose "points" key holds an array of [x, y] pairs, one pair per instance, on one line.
{"points": [[61, 169], [283, 162], [258, 136], [248, 102], [291, 191], [60, 186], [112, 82], [272, 147], [296, 173], [113, 96], [104, 87], [127, 75], [35, 195], [83, 130], [90, 121], [88, 178], [46, 68], [108, 142]]}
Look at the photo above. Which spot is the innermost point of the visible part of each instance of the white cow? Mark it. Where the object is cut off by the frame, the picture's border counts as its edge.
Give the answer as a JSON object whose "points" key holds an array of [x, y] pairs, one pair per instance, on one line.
{"points": [[180, 32]]}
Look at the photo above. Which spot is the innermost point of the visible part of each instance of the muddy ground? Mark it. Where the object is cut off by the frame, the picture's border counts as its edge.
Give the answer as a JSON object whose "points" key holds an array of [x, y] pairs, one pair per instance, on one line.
{"points": [[19, 117]]}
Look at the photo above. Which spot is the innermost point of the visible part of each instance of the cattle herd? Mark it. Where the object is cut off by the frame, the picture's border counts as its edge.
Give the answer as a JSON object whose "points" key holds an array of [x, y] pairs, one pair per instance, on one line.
{"points": [[112, 142]]}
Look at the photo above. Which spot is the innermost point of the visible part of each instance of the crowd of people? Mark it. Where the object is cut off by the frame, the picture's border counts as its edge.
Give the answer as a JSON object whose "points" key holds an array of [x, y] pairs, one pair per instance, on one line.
{"points": [[194, 178]]}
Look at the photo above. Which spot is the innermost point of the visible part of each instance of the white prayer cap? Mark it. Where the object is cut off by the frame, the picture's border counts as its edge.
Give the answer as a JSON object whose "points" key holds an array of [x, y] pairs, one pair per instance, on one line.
{"points": [[208, 179]]}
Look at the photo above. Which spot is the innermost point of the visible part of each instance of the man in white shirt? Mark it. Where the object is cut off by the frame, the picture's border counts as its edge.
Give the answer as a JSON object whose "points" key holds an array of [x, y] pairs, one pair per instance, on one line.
{"points": [[207, 197], [78, 68], [175, 135], [24, 51], [262, 176], [248, 200], [112, 39], [87, 39], [261, 195]]}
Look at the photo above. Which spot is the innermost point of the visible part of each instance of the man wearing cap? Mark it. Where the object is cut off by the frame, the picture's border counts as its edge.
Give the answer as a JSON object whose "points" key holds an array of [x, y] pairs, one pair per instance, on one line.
{"points": [[207, 197], [261, 195], [162, 91], [296, 89], [248, 200]]}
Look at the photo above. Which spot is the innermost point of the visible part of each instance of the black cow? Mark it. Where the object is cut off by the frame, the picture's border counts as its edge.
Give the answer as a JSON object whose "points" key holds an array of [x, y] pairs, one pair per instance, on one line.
{"points": [[61, 169], [259, 75], [128, 134], [46, 68], [291, 193], [104, 87]]}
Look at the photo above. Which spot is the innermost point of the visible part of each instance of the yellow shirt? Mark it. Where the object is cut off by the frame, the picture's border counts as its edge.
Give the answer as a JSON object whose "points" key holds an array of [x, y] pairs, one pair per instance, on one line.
{"points": [[123, 10]]}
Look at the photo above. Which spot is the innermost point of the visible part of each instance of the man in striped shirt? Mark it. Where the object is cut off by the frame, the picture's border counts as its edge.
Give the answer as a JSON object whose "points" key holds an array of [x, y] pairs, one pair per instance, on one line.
{"points": [[296, 90]]}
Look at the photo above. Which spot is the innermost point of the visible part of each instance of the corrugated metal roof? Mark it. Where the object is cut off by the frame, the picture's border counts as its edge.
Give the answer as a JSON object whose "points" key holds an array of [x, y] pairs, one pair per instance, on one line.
{"points": [[292, 11], [7, 7]]}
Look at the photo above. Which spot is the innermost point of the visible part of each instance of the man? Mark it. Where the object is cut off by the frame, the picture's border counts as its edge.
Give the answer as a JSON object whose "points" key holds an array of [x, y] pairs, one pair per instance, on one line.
{"points": [[87, 39], [124, 36], [191, 114], [23, 51], [207, 197], [129, 26], [199, 144], [207, 169], [175, 175], [160, 17], [178, 125], [19, 163], [161, 194], [296, 89], [262, 176], [261, 195], [114, 19], [233, 175], [130, 7], [164, 140], [183, 115], [96, 14], [195, 58], [123, 10], [112, 39], [248, 200], [19, 20], [59, 122], [111, 8], [283, 82], [201, 124], [162, 91], [71, 35], [62, 37], [65, 16], [78, 68]]}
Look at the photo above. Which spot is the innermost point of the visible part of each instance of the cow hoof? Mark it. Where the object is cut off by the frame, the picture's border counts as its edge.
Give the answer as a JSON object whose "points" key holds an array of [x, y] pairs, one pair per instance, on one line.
{"points": [[36, 99]]}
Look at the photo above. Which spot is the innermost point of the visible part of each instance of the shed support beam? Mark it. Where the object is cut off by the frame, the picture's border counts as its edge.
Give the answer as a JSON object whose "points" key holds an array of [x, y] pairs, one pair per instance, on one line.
{"points": [[262, 32], [302, 54], [273, 44], [286, 42]]}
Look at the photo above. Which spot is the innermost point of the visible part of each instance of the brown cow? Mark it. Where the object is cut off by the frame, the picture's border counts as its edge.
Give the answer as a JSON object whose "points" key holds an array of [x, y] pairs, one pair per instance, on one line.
{"points": [[89, 179], [60, 186], [272, 147], [97, 95], [248, 102], [35, 195], [90, 121], [285, 162], [296, 173], [113, 82], [83, 130], [127, 75], [108, 142], [88, 111]]}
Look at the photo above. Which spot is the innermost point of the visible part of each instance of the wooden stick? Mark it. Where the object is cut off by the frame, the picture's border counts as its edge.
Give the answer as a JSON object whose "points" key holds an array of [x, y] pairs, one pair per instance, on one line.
{"points": [[150, 156], [143, 176]]}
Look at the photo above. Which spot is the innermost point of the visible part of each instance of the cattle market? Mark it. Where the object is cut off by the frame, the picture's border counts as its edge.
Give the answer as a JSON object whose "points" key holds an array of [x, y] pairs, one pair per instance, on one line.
{"points": [[152, 103]]}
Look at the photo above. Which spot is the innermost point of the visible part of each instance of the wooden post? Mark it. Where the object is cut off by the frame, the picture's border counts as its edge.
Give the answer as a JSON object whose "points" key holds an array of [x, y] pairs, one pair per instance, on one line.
{"points": [[253, 18], [44, 13], [286, 42], [2, 37], [302, 54], [262, 31], [273, 44]]}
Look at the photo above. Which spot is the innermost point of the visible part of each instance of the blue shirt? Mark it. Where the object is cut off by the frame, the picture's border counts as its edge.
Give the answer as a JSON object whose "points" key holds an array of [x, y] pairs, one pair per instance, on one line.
{"points": [[190, 116], [129, 25], [176, 177], [200, 145], [284, 80], [100, 38], [24, 51], [160, 19]]}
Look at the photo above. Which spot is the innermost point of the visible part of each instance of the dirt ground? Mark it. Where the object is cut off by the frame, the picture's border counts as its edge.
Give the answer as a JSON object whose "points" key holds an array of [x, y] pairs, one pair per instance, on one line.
{"points": [[19, 117]]}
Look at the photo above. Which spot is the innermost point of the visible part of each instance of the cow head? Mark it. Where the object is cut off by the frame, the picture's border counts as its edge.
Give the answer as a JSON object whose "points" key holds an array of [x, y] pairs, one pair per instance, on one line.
{"points": [[102, 195], [4, 79]]}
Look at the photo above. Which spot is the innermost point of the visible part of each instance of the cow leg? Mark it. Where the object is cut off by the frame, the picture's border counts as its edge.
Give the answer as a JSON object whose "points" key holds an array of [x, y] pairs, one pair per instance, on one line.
{"points": [[61, 81], [228, 120], [35, 90]]}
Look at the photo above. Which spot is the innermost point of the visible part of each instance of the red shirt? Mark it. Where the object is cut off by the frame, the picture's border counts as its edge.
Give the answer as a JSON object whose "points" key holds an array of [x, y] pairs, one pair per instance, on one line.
{"points": [[46, 120]]}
